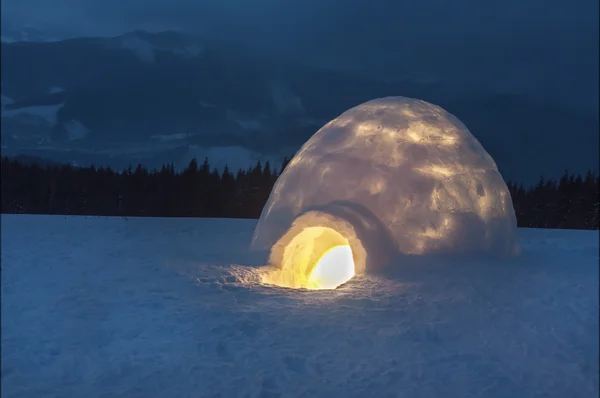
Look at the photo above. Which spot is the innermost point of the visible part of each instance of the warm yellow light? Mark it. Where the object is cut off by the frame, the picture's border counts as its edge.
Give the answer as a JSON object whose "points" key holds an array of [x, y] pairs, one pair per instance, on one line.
{"points": [[333, 269], [317, 258]]}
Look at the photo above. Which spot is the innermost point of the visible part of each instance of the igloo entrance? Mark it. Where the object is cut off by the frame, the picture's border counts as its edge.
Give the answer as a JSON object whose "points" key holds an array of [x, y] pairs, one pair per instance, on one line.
{"points": [[315, 258]]}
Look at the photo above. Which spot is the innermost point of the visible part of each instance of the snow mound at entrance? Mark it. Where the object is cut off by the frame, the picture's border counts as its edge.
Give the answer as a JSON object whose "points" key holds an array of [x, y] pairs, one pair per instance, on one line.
{"points": [[391, 176]]}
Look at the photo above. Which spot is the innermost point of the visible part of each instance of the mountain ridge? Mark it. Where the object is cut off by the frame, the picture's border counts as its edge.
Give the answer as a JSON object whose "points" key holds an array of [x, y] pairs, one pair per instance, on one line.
{"points": [[105, 94]]}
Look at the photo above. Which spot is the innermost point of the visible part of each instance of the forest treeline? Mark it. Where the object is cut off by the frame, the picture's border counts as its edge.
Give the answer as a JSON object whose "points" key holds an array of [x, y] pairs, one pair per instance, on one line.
{"points": [[570, 202]]}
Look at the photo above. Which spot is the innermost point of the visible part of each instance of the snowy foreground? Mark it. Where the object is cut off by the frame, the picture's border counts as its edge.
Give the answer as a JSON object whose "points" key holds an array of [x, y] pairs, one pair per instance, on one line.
{"points": [[97, 307]]}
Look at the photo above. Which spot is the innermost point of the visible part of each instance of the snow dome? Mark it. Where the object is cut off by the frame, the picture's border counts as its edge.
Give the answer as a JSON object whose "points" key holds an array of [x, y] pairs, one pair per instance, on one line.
{"points": [[391, 176]]}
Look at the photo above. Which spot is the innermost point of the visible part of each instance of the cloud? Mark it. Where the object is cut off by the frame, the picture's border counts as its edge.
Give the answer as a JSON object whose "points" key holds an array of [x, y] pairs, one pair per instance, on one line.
{"points": [[310, 18], [463, 41]]}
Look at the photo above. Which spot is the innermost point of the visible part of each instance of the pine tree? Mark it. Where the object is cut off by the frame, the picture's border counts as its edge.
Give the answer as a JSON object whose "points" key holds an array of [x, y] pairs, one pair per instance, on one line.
{"points": [[286, 161], [570, 202]]}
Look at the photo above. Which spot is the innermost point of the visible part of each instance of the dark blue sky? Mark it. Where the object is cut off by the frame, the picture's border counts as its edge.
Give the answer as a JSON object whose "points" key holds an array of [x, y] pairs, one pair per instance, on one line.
{"points": [[545, 48]]}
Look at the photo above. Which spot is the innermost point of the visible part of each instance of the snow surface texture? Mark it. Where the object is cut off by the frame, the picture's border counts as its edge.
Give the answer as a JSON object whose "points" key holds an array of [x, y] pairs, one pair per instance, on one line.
{"points": [[399, 175], [153, 308]]}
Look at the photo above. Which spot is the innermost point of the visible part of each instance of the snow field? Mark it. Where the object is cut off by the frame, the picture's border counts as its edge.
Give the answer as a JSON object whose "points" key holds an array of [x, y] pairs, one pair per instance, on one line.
{"points": [[108, 307]]}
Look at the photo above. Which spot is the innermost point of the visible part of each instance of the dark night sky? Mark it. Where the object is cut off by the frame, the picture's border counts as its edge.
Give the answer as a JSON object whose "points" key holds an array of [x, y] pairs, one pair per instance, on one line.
{"points": [[546, 48]]}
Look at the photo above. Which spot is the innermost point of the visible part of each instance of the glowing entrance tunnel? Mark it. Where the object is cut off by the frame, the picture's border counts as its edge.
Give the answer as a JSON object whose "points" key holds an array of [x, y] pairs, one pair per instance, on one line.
{"points": [[334, 268], [316, 258]]}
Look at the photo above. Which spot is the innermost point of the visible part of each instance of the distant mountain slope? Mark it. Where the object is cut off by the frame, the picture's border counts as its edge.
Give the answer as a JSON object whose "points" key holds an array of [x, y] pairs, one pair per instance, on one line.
{"points": [[150, 96]]}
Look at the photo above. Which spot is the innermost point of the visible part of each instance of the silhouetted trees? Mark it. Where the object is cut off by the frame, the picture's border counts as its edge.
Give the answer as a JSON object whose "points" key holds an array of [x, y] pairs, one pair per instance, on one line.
{"points": [[199, 191], [569, 203]]}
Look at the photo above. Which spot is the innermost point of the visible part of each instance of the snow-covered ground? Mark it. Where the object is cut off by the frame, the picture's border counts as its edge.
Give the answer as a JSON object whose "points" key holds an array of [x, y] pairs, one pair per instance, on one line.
{"points": [[107, 307]]}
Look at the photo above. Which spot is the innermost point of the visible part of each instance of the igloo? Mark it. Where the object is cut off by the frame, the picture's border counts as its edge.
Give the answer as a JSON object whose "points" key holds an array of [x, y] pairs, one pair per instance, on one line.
{"points": [[389, 177]]}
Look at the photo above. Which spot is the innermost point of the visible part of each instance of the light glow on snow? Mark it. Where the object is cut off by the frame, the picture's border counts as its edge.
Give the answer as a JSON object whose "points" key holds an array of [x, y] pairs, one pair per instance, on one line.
{"points": [[161, 308], [407, 176], [317, 258], [333, 269]]}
